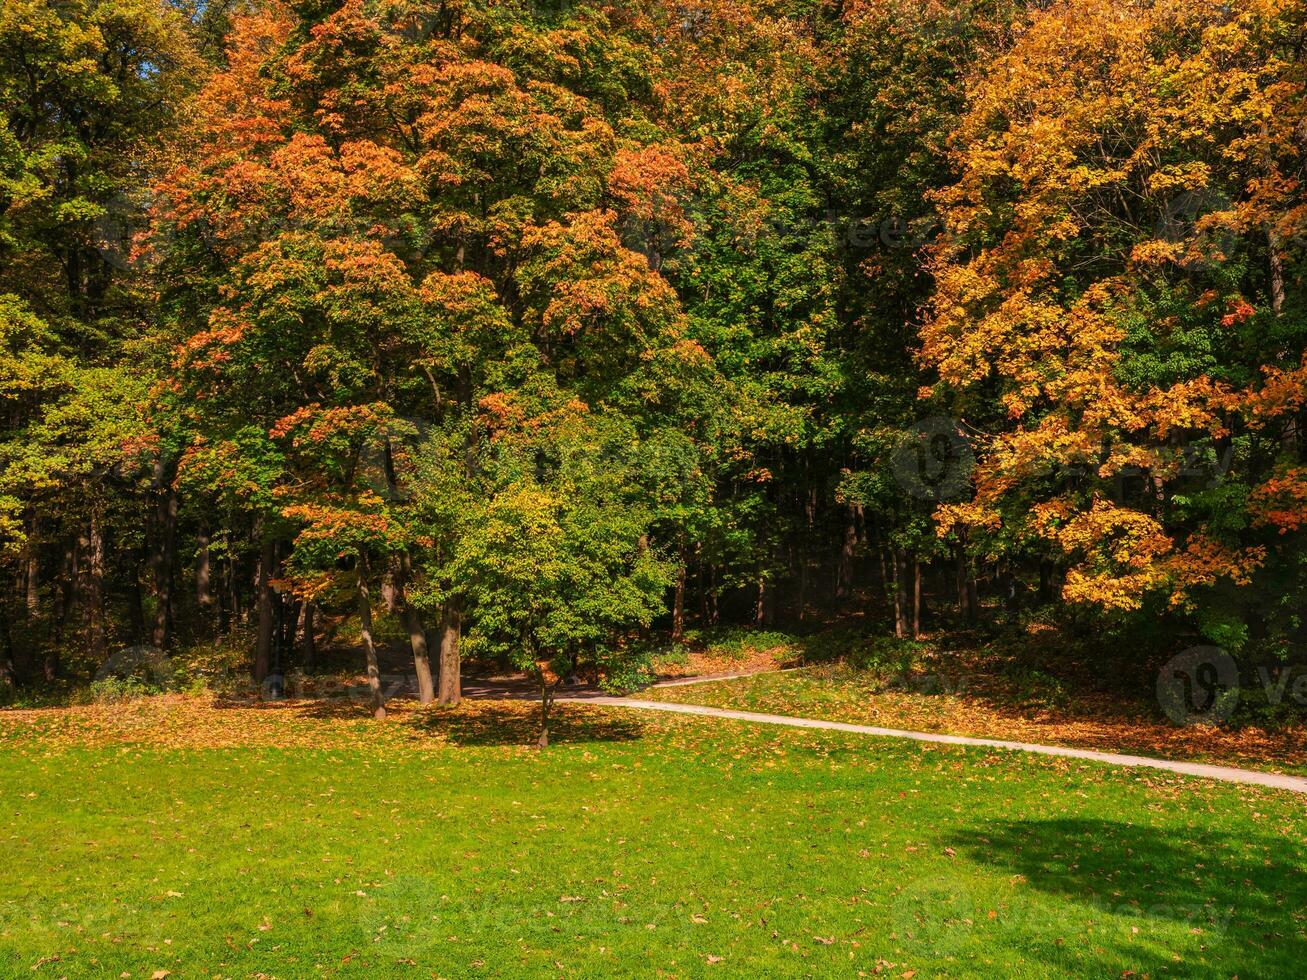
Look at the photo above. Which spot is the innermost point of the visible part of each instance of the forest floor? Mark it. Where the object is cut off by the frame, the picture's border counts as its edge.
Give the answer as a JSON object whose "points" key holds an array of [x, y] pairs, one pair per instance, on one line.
{"points": [[184, 836]]}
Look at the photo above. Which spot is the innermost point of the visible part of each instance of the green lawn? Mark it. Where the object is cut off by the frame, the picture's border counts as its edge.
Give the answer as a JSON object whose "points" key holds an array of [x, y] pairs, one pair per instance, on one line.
{"points": [[950, 704], [637, 846]]}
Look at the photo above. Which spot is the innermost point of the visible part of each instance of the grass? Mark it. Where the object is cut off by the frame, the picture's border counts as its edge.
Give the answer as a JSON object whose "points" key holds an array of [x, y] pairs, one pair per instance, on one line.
{"points": [[919, 688], [172, 835]]}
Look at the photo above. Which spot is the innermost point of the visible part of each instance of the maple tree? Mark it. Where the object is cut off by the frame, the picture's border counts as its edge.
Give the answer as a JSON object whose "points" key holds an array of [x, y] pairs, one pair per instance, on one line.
{"points": [[1117, 313]]}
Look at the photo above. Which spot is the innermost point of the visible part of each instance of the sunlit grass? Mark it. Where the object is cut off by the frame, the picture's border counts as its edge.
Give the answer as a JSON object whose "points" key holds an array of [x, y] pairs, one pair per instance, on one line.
{"points": [[638, 845]]}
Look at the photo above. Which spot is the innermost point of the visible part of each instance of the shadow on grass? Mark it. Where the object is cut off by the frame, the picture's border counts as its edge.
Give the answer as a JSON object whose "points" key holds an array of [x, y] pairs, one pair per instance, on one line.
{"points": [[509, 723], [1245, 895], [479, 721]]}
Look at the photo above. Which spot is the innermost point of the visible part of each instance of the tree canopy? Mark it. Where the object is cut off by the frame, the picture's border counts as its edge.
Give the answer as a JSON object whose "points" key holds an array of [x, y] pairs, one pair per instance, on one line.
{"points": [[543, 328]]}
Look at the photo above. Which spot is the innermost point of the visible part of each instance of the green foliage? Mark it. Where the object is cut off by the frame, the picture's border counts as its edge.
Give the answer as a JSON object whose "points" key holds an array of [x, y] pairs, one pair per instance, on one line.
{"points": [[554, 562]]}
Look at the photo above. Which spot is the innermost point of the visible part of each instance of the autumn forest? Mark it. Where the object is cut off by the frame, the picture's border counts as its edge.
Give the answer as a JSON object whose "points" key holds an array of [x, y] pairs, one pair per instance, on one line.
{"points": [[548, 334]]}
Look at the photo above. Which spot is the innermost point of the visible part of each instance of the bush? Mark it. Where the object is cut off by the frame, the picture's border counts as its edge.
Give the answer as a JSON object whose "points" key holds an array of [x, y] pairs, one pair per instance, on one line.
{"points": [[218, 666], [630, 671], [740, 642], [116, 690]]}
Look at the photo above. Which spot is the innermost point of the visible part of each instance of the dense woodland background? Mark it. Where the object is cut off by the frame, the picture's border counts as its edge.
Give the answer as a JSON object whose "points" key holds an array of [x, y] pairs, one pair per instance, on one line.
{"points": [[546, 333]]}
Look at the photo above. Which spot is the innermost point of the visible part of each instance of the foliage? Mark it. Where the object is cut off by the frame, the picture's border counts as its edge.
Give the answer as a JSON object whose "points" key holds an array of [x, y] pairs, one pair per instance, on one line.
{"points": [[1118, 302], [583, 329]]}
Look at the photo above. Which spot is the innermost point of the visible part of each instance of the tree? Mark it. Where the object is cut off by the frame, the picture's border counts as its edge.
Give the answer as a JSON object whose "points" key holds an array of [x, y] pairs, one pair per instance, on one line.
{"points": [[88, 91], [1119, 304], [383, 223], [554, 563]]}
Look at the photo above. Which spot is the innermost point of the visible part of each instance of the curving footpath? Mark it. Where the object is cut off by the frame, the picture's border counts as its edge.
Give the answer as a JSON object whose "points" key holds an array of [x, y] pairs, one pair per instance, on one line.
{"points": [[1294, 784]]}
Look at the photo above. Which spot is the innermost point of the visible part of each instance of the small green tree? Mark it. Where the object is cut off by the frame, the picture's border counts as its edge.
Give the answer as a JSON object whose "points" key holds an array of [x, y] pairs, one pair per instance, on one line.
{"points": [[555, 564]]}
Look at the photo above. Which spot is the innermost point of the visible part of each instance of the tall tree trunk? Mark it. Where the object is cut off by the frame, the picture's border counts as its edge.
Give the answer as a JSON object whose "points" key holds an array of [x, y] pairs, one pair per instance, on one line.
{"points": [[844, 573], [288, 619], [32, 569], [97, 640], [8, 671], [417, 635], [450, 684], [263, 646], [801, 567], [962, 576], [136, 598], [1011, 593], [1274, 249], [546, 702], [203, 572], [450, 690], [764, 610], [701, 577], [900, 593], [69, 579], [369, 647], [916, 597], [165, 528], [308, 644], [232, 607], [1045, 580], [1289, 431], [678, 603]]}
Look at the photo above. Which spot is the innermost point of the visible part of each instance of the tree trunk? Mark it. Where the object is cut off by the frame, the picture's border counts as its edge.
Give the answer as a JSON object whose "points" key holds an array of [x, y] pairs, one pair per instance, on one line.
{"points": [[450, 690], [69, 576], [369, 648], [900, 594], [916, 597], [308, 645], [136, 598], [678, 604], [165, 548], [1011, 594], [1045, 581], [8, 672], [844, 586], [417, 635], [97, 640], [701, 576], [288, 618], [203, 572], [801, 566], [1274, 246], [32, 570], [230, 611], [263, 647], [963, 581], [546, 702]]}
